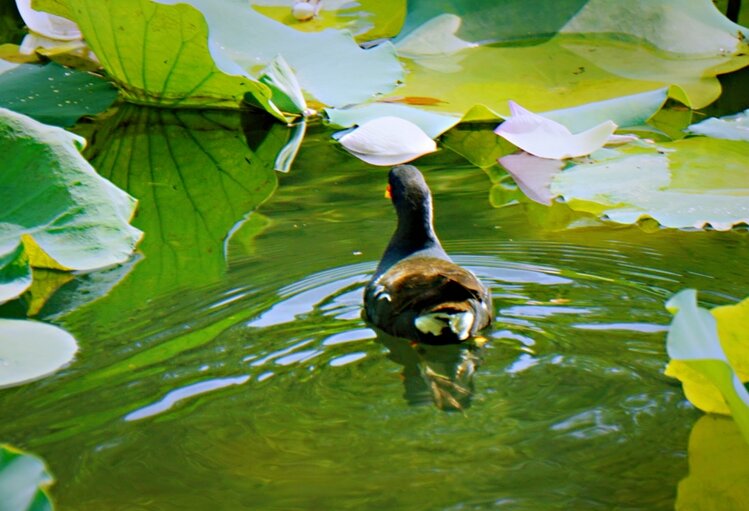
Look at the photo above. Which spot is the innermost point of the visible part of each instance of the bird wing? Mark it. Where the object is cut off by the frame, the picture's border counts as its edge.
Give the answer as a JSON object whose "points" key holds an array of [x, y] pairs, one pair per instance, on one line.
{"points": [[422, 283]]}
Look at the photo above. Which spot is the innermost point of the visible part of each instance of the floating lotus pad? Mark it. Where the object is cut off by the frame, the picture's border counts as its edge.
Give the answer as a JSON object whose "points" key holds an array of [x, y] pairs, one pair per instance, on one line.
{"points": [[30, 350]]}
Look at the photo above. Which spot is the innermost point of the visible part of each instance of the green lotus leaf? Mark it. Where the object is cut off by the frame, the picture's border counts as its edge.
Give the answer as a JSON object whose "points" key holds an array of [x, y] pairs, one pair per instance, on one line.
{"points": [[365, 19], [24, 479], [156, 54], [209, 53], [197, 183], [31, 350], [679, 186], [710, 359], [52, 194], [54, 94], [200, 177], [15, 273], [578, 52]]}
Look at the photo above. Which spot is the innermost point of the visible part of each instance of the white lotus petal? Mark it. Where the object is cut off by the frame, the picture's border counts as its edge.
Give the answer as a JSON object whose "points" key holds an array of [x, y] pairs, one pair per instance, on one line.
{"points": [[434, 124], [435, 37], [542, 137], [387, 141], [533, 175], [387, 160], [48, 25]]}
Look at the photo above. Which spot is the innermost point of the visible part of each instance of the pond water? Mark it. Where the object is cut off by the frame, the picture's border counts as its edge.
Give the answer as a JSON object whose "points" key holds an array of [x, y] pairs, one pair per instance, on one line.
{"points": [[227, 367]]}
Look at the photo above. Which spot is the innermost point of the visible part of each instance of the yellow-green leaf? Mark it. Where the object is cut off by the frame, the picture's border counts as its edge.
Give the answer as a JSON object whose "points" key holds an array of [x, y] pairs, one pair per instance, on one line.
{"points": [[704, 355]]}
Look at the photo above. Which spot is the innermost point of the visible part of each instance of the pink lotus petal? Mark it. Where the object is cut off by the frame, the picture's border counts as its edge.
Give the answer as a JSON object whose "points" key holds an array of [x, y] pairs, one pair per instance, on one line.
{"points": [[533, 175], [545, 138]]}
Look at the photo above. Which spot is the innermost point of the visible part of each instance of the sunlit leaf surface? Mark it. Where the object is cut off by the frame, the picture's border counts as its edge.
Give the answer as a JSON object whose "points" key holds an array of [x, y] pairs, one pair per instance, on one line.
{"points": [[158, 54], [578, 52], [679, 186], [53, 194], [23, 481]]}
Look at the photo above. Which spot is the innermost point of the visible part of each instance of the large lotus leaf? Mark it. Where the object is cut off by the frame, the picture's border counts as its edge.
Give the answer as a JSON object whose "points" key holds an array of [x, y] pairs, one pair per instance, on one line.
{"points": [[31, 350], [54, 94], [365, 19], [163, 54], [51, 193], [694, 182], [582, 63], [156, 54], [197, 183], [24, 479], [706, 357], [718, 476]]}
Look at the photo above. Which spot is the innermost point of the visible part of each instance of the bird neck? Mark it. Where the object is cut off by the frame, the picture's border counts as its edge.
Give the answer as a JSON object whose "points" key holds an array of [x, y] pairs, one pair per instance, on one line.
{"points": [[415, 226], [415, 233]]}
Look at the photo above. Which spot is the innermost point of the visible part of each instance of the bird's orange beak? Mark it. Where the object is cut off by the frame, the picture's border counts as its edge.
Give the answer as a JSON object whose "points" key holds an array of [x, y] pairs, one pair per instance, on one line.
{"points": [[388, 195]]}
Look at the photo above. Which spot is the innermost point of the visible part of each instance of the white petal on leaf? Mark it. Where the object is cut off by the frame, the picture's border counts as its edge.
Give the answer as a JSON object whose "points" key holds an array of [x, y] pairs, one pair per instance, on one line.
{"points": [[542, 137], [432, 123], [48, 25], [387, 141]]}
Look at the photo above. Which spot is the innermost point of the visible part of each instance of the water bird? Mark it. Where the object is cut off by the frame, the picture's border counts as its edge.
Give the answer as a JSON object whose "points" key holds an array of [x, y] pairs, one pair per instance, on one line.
{"points": [[418, 292]]}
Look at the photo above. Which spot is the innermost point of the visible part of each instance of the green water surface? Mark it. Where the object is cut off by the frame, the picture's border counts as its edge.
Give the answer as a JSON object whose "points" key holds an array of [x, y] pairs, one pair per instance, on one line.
{"points": [[226, 367]]}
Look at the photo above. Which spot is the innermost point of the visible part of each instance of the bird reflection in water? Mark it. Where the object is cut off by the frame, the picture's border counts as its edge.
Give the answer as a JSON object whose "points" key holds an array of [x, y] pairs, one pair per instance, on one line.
{"points": [[438, 374]]}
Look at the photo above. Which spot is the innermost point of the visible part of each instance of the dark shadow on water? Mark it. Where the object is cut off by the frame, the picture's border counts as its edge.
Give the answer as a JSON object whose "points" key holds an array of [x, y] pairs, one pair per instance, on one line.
{"points": [[440, 375]]}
